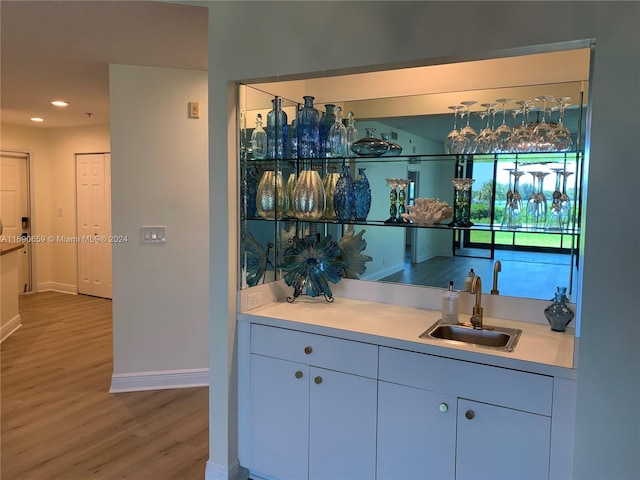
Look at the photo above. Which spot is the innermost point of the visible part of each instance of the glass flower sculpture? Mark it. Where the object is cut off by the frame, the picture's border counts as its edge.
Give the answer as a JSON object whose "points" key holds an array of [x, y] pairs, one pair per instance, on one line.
{"points": [[310, 264], [255, 258], [351, 247]]}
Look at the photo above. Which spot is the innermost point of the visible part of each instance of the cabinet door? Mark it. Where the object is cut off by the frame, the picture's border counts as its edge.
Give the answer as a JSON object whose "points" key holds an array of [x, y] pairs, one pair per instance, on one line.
{"points": [[416, 433], [342, 425], [501, 443], [279, 418]]}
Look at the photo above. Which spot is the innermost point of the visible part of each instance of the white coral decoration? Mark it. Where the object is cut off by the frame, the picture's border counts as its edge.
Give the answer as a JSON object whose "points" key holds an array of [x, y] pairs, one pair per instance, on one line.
{"points": [[427, 211]]}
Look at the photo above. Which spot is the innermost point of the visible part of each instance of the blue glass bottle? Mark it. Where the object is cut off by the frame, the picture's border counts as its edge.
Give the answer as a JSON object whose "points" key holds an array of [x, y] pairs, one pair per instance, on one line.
{"points": [[363, 196], [308, 125], [326, 122], [276, 130], [344, 196]]}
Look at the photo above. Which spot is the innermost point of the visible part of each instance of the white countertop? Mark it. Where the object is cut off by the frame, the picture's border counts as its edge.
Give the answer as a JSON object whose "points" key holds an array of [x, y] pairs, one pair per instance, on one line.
{"points": [[539, 350]]}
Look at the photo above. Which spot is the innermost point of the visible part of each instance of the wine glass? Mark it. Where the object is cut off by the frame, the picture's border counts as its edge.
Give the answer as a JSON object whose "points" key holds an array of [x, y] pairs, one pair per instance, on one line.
{"points": [[561, 134], [516, 200], [467, 133], [554, 221], [503, 132], [485, 141], [565, 201], [532, 208], [520, 140], [453, 134], [506, 217], [541, 200], [542, 135]]}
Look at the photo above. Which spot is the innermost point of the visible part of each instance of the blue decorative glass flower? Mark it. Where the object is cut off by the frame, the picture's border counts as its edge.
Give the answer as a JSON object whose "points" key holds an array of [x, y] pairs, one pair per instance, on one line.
{"points": [[255, 258], [312, 262], [351, 247]]}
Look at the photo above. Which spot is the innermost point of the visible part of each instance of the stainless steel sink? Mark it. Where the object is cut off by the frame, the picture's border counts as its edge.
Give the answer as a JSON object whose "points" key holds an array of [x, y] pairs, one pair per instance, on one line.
{"points": [[497, 338]]}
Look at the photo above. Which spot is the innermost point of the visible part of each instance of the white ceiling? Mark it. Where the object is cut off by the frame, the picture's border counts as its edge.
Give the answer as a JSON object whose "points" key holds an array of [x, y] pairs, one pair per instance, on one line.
{"points": [[62, 50]]}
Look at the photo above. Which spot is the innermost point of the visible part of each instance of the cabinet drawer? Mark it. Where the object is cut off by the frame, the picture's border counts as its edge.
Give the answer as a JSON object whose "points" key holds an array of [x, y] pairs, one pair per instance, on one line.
{"points": [[499, 386], [317, 350]]}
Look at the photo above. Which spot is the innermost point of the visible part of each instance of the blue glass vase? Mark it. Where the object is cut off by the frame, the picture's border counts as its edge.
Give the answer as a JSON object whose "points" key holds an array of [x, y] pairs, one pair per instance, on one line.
{"points": [[344, 196], [558, 314], [308, 129], [326, 122], [276, 130], [363, 196]]}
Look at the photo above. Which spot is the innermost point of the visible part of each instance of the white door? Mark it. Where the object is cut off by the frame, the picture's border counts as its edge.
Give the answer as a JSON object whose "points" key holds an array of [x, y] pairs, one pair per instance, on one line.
{"points": [[94, 224], [14, 210]]}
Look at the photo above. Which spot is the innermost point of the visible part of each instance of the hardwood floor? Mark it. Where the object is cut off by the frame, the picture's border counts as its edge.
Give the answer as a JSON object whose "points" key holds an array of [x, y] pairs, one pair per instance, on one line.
{"points": [[58, 419]]}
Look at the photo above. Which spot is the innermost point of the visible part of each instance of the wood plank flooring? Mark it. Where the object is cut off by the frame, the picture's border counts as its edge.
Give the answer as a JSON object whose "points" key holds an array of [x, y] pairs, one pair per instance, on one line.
{"points": [[58, 419]]}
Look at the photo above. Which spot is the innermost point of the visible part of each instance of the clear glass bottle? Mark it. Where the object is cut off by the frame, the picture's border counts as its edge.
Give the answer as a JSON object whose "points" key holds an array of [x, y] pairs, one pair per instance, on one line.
{"points": [[450, 305], [352, 134], [259, 140], [370, 146], [337, 137], [466, 286]]}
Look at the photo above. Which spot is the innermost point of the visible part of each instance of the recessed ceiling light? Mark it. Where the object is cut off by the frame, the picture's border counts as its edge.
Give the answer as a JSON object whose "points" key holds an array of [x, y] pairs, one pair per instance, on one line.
{"points": [[60, 103], [37, 119]]}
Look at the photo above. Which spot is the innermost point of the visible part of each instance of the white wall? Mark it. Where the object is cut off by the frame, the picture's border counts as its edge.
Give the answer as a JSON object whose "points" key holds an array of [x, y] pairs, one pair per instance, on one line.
{"points": [[53, 185], [295, 38], [159, 178]]}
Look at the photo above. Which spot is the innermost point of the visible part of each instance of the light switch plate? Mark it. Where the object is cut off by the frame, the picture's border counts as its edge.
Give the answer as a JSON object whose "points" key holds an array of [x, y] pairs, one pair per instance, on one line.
{"points": [[194, 109], [153, 235]]}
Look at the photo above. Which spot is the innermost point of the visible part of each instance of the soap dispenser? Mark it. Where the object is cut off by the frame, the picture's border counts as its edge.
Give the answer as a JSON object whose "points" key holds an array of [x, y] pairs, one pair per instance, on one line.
{"points": [[450, 305], [467, 281]]}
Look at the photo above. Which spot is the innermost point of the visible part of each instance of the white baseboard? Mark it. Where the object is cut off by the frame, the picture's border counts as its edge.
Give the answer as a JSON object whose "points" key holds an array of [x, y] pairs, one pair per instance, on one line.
{"points": [[383, 273], [216, 471], [9, 328], [57, 287], [163, 380]]}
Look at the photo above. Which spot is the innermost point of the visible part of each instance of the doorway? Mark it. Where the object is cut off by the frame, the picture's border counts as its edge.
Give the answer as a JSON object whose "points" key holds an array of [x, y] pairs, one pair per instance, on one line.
{"points": [[93, 191], [15, 211]]}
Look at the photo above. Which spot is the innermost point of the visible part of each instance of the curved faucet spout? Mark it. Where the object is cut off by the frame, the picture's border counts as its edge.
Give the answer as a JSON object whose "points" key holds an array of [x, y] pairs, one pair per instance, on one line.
{"points": [[497, 267], [476, 287]]}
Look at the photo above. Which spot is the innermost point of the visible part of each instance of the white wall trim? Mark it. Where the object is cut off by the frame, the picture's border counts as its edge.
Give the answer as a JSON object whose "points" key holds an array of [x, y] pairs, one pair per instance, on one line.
{"points": [[9, 328], [161, 380], [216, 471], [57, 287]]}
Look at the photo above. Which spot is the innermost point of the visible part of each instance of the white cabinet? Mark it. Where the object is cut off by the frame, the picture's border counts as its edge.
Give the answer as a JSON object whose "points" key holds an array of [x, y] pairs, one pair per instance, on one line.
{"points": [[501, 443], [312, 406], [416, 433], [443, 418]]}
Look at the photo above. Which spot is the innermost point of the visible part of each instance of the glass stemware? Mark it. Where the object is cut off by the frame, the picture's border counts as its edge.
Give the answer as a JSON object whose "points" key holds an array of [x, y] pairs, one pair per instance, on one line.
{"points": [[561, 134], [467, 133], [453, 134], [554, 221], [503, 132], [392, 183], [532, 208], [506, 216], [542, 135], [462, 204], [541, 200], [520, 140], [485, 141], [516, 201], [565, 201]]}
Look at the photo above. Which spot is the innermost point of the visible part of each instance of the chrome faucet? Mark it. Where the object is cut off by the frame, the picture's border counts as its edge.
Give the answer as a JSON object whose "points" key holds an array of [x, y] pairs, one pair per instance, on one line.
{"points": [[497, 267], [476, 318]]}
